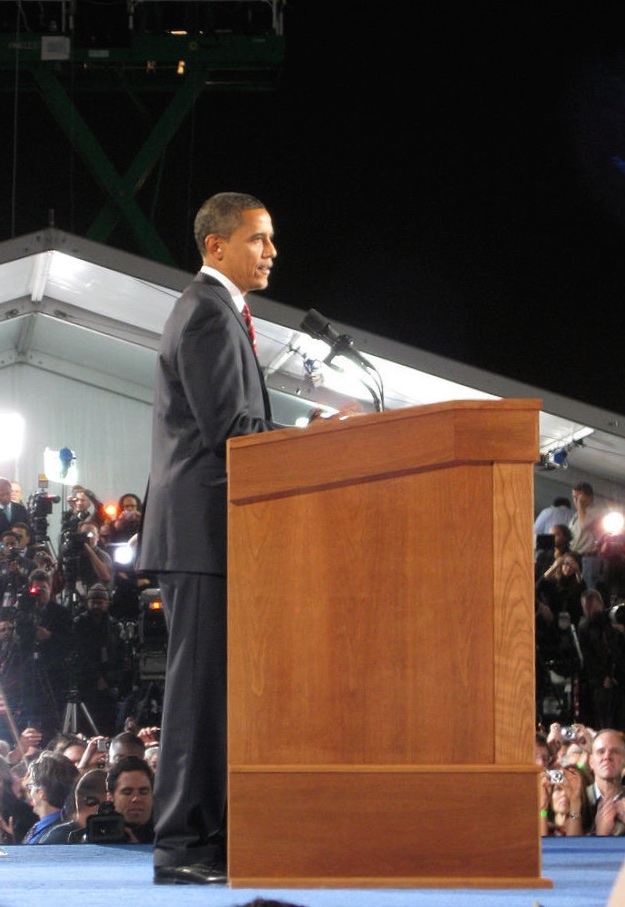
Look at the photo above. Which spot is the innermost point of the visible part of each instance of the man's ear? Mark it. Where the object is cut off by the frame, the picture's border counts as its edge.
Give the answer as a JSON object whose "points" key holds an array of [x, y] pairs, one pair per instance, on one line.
{"points": [[213, 244]]}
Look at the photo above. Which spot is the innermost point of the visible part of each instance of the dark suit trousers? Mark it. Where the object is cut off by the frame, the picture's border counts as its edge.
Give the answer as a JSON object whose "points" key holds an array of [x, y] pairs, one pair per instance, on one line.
{"points": [[190, 785]]}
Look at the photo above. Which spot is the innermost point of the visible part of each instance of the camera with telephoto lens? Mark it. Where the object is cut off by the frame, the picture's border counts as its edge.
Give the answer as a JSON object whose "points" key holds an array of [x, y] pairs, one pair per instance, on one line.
{"points": [[24, 617], [39, 509], [106, 825], [40, 504], [73, 543]]}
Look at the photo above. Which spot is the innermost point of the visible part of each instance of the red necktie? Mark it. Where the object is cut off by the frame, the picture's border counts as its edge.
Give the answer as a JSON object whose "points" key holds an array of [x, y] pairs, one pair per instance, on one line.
{"points": [[247, 315]]}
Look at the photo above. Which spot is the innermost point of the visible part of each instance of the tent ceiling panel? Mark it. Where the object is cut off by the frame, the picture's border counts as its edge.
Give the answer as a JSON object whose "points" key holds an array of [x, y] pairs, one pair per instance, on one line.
{"points": [[94, 314]]}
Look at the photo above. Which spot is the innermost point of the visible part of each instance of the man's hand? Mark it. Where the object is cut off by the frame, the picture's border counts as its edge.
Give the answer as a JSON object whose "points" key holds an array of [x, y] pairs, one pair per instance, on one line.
{"points": [[607, 813]]}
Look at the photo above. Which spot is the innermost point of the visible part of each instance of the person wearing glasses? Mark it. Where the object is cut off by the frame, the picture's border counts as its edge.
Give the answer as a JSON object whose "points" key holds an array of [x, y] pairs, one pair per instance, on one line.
{"points": [[50, 781]]}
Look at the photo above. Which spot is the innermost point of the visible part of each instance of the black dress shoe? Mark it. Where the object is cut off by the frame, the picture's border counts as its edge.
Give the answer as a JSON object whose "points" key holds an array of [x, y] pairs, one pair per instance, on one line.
{"points": [[194, 874]]}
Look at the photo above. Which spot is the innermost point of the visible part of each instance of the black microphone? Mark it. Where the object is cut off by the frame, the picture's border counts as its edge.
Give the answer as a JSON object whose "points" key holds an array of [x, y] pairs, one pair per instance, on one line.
{"points": [[317, 326]]}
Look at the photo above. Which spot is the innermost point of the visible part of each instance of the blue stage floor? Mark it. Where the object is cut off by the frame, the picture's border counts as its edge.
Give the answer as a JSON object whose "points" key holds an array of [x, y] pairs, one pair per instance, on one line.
{"points": [[583, 872]]}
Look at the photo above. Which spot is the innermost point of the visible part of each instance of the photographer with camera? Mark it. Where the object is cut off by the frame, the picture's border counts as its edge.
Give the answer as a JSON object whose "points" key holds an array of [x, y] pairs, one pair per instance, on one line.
{"points": [[14, 568], [23, 534], [565, 801], [83, 561], [602, 691], [130, 784], [89, 793], [101, 664], [84, 505], [45, 632], [11, 674], [126, 817]]}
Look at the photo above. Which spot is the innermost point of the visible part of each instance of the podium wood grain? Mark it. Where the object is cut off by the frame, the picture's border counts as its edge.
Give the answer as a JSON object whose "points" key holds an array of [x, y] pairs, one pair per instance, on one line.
{"points": [[381, 651]]}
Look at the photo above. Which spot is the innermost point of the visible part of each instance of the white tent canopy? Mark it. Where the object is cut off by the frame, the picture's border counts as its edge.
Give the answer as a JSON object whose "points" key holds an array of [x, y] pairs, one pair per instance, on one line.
{"points": [[79, 328]]}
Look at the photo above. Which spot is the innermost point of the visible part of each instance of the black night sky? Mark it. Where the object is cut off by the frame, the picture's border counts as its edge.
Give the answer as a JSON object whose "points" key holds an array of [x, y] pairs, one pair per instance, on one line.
{"points": [[450, 175]]}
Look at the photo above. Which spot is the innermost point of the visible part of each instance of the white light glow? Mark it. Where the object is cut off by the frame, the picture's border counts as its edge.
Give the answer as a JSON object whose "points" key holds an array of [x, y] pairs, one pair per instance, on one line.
{"points": [[124, 554], [613, 522], [53, 468], [11, 436]]}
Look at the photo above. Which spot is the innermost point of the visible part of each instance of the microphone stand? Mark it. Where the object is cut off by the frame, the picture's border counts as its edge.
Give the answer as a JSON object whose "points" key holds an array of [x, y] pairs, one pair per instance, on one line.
{"points": [[343, 345]]}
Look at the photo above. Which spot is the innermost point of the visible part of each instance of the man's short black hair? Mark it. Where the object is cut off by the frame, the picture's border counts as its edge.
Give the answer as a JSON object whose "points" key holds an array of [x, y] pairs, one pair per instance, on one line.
{"points": [[128, 764]]}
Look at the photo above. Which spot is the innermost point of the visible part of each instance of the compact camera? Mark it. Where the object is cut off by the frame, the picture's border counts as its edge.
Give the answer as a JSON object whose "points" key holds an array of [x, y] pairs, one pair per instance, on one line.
{"points": [[555, 775], [103, 746], [568, 733]]}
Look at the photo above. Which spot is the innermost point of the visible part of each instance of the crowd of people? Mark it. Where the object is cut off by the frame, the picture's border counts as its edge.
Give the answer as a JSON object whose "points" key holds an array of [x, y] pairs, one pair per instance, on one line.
{"points": [[64, 641], [70, 622], [580, 613], [78, 790], [581, 781]]}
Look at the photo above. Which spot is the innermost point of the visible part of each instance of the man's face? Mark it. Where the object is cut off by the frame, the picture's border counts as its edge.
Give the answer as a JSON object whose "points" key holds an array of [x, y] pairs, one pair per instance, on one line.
{"points": [[247, 256], [16, 492], [85, 807], [10, 542], [133, 797], [129, 505], [5, 492], [42, 590], [101, 603], [607, 759], [22, 536], [80, 501], [36, 795], [6, 631]]}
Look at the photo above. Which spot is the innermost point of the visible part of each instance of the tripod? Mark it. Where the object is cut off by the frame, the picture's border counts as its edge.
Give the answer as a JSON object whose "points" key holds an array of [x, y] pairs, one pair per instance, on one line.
{"points": [[70, 721]]}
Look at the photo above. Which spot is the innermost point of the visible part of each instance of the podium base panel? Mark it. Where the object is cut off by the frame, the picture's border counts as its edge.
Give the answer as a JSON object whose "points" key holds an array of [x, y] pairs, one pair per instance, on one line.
{"points": [[396, 827]]}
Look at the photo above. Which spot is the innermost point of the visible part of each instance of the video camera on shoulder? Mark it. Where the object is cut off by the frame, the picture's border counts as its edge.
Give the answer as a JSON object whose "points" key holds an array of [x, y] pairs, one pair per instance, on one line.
{"points": [[106, 826], [73, 543]]}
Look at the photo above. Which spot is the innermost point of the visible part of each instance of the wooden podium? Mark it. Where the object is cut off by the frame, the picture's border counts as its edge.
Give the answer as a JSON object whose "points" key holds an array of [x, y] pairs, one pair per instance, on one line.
{"points": [[381, 651]]}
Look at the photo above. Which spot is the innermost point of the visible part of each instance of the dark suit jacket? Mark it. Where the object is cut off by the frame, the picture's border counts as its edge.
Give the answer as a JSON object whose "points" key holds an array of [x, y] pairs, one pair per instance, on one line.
{"points": [[19, 514], [208, 388]]}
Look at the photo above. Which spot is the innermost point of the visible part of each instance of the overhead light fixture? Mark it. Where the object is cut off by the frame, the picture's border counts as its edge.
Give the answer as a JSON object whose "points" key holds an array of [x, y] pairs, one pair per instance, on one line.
{"points": [[557, 456], [41, 272], [568, 441]]}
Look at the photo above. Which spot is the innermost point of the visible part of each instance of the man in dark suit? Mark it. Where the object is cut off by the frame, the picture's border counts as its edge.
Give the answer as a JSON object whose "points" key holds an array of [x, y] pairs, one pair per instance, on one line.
{"points": [[208, 388], [10, 511]]}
